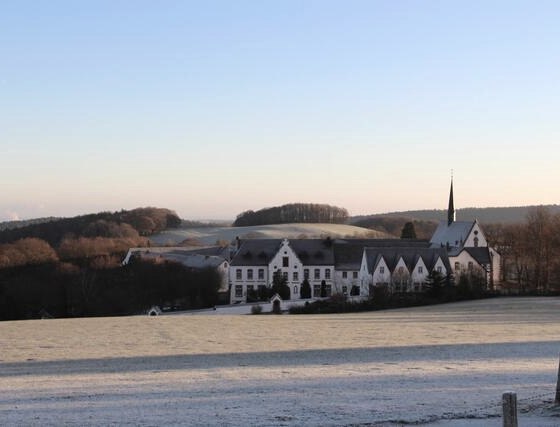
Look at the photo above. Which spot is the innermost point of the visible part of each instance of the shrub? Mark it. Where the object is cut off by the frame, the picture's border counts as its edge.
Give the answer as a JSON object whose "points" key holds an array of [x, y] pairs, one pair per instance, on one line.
{"points": [[256, 309]]}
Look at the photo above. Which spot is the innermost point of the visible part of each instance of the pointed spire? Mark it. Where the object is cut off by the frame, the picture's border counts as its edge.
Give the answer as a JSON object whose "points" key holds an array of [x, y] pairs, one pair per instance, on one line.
{"points": [[451, 208]]}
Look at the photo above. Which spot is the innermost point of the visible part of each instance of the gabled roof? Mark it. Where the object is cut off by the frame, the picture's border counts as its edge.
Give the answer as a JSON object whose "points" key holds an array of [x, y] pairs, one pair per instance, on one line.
{"points": [[256, 252], [410, 256], [480, 254], [348, 252], [453, 234]]}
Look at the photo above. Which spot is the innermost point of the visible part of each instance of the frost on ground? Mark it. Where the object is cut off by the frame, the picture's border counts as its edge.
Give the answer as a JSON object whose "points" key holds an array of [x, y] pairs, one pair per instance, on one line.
{"points": [[209, 235], [445, 365]]}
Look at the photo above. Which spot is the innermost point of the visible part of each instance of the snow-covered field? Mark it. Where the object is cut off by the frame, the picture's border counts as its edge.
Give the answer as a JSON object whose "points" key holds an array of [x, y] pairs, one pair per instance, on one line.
{"points": [[209, 235], [443, 365]]}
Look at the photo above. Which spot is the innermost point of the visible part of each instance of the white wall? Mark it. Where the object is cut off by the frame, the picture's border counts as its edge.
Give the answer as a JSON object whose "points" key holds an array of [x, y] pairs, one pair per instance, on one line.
{"points": [[419, 274], [294, 268], [339, 281], [476, 232], [381, 274]]}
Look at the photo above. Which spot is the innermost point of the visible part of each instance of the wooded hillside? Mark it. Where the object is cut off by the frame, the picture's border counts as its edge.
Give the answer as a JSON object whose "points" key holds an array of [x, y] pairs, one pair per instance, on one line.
{"points": [[133, 223], [293, 213], [72, 267], [503, 215]]}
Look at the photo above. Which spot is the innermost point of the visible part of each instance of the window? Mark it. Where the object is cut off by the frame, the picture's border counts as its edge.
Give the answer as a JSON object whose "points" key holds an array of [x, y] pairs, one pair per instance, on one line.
{"points": [[306, 273], [420, 269], [295, 276], [476, 242], [250, 274], [316, 291], [328, 273], [238, 291], [261, 273], [285, 261], [470, 265], [238, 274], [344, 290], [344, 274], [417, 286], [439, 270], [295, 291], [382, 270], [457, 266], [355, 275], [401, 270], [317, 274], [285, 275]]}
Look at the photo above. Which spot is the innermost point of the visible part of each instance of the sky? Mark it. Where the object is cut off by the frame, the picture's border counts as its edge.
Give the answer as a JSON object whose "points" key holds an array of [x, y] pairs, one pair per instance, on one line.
{"points": [[213, 108]]}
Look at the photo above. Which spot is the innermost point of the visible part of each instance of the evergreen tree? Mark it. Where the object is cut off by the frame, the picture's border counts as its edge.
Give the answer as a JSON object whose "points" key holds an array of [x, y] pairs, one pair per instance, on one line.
{"points": [[280, 285], [305, 289], [434, 284], [408, 231]]}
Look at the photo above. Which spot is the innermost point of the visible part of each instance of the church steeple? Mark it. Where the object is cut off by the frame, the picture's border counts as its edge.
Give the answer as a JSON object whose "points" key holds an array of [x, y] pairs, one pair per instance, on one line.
{"points": [[451, 208]]}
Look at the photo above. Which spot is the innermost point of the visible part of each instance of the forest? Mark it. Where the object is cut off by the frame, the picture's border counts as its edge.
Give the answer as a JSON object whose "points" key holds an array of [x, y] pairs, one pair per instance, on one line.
{"points": [[72, 267], [293, 213], [530, 251]]}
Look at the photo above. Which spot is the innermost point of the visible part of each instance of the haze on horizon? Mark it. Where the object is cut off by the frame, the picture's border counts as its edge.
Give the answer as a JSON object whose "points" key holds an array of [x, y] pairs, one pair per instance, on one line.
{"points": [[214, 108]]}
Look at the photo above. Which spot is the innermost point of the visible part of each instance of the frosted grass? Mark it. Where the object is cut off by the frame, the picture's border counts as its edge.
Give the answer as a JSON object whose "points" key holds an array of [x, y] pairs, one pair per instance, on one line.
{"points": [[441, 365]]}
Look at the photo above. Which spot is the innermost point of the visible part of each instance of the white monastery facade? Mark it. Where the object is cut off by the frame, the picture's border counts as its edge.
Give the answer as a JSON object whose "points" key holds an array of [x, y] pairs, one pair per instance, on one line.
{"points": [[355, 267]]}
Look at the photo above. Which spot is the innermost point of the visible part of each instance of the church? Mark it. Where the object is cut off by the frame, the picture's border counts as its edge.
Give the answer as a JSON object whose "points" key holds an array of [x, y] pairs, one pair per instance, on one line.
{"points": [[467, 247]]}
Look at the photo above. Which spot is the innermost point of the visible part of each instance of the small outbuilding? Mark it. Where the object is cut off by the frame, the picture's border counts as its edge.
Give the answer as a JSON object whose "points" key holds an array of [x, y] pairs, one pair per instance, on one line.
{"points": [[154, 311], [276, 303]]}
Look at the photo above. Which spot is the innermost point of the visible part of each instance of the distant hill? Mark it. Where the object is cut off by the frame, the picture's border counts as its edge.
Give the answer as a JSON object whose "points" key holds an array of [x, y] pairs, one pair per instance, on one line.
{"points": [[211, 235], [139, 221], [484, 215]]}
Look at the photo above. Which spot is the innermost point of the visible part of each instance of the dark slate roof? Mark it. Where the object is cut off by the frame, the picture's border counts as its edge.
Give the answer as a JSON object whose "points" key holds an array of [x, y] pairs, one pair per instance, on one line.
{"points": [[256, 252], [189, 260], [410, 256], [453, 234], [348, 252], [210, 251], [314, 251], [379, 243], [480, 254], [348, 256]]}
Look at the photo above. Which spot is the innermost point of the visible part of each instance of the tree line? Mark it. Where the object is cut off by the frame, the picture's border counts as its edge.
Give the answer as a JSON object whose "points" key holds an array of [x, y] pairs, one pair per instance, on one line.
{"points": [[293, 213], [530, 251], [72, 267], [69, 290]]}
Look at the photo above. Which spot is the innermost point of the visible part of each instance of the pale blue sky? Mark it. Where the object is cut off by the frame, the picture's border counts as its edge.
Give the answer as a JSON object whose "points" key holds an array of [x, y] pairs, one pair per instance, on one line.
{"points": [[211, 108]]}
